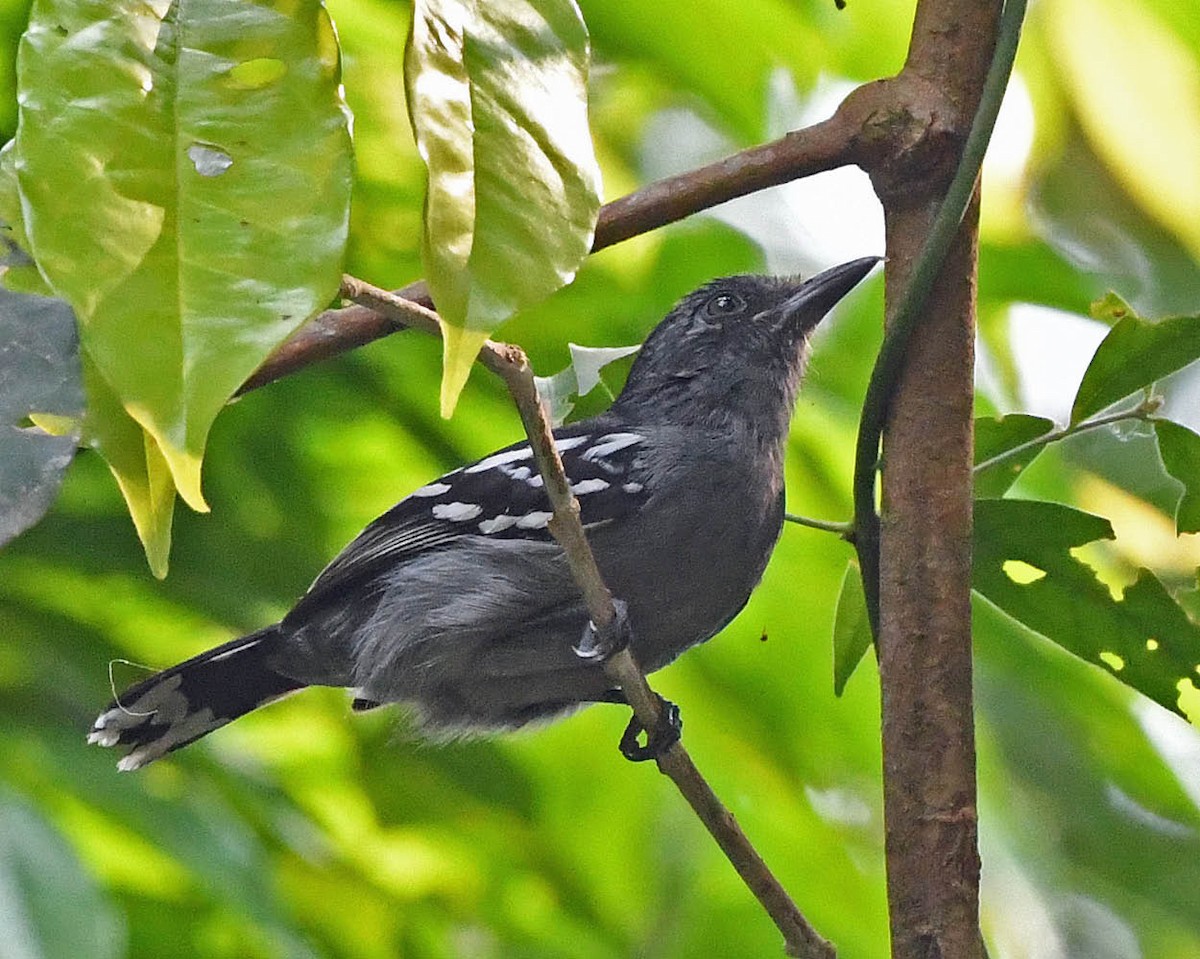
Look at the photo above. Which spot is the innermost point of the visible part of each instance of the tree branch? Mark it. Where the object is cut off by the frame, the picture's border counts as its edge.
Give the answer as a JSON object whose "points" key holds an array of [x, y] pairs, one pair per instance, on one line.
{"points": [[916, 563], [824, 146], [511, 364]]}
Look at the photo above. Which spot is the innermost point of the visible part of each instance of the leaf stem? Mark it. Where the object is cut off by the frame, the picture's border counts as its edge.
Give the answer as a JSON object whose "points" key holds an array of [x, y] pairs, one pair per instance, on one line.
{"points": [[1144, 412], [844, 530]]}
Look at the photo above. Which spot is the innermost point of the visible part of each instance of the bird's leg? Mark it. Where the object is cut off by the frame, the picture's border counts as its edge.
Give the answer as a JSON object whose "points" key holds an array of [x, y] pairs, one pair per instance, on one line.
{"points": [[600, 643], [658, 740]]}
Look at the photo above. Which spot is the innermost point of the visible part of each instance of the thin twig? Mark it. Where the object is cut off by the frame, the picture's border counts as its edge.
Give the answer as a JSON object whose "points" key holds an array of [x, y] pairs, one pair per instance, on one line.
{"points": [[511, 364], [1144, 412], [844, 530]]}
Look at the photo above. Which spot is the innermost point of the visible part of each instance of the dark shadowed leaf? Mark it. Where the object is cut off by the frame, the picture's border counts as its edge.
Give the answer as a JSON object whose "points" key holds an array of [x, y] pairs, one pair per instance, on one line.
{"points": [[1134, 355], [39, 374], [1180, 450], [1023, 564], [497, 94], [995, 472]]}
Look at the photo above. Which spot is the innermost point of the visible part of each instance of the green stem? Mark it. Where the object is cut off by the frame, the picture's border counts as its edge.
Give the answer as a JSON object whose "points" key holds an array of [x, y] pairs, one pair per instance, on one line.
{"points": [[1143, 413], [844, 530], [891, 354]]}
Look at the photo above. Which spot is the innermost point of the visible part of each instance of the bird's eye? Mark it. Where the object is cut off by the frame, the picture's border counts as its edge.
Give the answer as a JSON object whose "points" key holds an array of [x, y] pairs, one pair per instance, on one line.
{"points": [[724, 304]]}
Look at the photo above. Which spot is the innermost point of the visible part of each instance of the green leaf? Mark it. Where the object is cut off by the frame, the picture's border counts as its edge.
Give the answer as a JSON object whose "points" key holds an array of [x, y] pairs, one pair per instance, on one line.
{"points": [[497, 96], [49, 906], [1023, 564], [851, 628], [136, 462], [559, 392], [39, 374], [1134, 354], [995, 472], [184, 172], [1180, 450]]}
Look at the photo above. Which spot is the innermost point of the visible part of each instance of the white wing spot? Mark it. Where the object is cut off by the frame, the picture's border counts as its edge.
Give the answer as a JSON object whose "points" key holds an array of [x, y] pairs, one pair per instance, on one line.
{"points": [[611, 443], [499, 459], [534, 520], [457, 512], [589, 486], [571, 442], [433, 489], [632, 487], [497, 524]]}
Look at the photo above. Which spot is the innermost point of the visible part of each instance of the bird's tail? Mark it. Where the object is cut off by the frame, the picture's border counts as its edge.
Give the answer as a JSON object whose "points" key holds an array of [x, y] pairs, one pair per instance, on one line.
{"points": [[183, 703]]}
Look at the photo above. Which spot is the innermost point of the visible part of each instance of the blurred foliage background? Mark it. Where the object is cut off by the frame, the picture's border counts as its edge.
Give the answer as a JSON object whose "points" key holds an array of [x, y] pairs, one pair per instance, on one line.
{"points": [[302, 832]]}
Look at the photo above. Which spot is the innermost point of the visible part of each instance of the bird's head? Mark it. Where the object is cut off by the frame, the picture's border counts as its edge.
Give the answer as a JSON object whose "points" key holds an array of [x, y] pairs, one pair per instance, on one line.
{"points": [[734, 350]]}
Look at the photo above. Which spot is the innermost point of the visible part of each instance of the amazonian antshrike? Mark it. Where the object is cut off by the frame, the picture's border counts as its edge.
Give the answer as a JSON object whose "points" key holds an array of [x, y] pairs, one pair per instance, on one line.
{"points": [[458, 601]]}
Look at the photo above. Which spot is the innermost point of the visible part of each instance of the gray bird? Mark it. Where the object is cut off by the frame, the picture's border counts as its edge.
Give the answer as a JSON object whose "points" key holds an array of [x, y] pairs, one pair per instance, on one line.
{"points": [[459, 603]]}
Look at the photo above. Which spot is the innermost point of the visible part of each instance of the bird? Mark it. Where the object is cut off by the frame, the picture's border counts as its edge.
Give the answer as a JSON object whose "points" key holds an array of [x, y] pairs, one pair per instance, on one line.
{"points": [[459, 603]]}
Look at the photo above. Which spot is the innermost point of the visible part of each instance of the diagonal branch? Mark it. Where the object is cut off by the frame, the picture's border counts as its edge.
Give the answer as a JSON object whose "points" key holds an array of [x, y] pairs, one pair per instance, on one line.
{"points": [[511, 364], [824, 146]]}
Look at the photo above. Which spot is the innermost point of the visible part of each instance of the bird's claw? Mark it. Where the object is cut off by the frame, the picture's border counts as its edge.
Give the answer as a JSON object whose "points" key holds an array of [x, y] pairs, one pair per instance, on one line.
{"points": [[600, 643], [665, 734]]}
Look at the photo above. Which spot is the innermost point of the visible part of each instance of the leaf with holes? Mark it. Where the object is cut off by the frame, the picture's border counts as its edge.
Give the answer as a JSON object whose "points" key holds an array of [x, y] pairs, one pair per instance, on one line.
{"points": [[184, 172], [1180, 450], [497, 96], [1023, 564], [851, 628], [1133, 355], [995, 471]]}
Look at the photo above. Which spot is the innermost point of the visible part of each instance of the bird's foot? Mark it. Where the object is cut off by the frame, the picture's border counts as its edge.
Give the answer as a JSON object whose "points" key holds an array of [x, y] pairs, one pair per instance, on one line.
{"points": [[665, 734], [601, 643]]}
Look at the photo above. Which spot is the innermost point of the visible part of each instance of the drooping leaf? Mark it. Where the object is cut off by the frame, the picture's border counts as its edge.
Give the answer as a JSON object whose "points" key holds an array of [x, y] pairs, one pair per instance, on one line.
{"points": [[39, 374], [185, 173], [1023, 564], [1180, 450], [851, 628], [136, 462], [995, 472], [497, 95], [50, 907], [1134, 354], [559, 392]]}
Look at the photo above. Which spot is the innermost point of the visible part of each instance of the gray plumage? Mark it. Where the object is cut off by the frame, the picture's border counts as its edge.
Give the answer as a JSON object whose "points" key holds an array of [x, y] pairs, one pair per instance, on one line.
{"points": [[459, 603]]}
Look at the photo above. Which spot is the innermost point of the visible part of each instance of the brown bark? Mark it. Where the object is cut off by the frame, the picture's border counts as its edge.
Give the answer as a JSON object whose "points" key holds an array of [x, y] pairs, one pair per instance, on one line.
{"points": [[925, 578]]}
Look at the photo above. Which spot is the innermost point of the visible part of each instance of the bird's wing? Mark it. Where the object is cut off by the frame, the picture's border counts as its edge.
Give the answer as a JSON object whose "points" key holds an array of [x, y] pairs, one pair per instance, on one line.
{"points": [[499, 497]]}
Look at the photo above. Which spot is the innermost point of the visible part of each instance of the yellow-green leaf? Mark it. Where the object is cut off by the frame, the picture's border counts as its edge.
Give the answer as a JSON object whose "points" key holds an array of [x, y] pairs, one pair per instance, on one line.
{"points": [[497, 96], [184, 171]]}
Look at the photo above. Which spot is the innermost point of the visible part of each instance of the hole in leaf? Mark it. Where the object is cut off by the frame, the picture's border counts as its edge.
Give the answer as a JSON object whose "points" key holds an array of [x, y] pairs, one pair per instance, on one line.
{"points": [[1152, 644], [256, 74], [1113, 661], [1022, 573], [209, 160]]}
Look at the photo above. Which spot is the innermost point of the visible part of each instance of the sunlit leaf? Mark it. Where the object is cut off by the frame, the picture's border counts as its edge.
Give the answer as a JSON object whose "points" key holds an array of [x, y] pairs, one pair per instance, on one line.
{"points": [[1180, 450], [994, 471], [851, 628], [39, 374], [1144, 637], [184, 172], [497, 94], [1133, 355], [1136, 90]]}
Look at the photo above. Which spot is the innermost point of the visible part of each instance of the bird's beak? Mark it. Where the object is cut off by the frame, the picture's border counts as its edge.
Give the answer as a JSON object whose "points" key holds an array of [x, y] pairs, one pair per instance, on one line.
{"points": [[807, 306]]}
